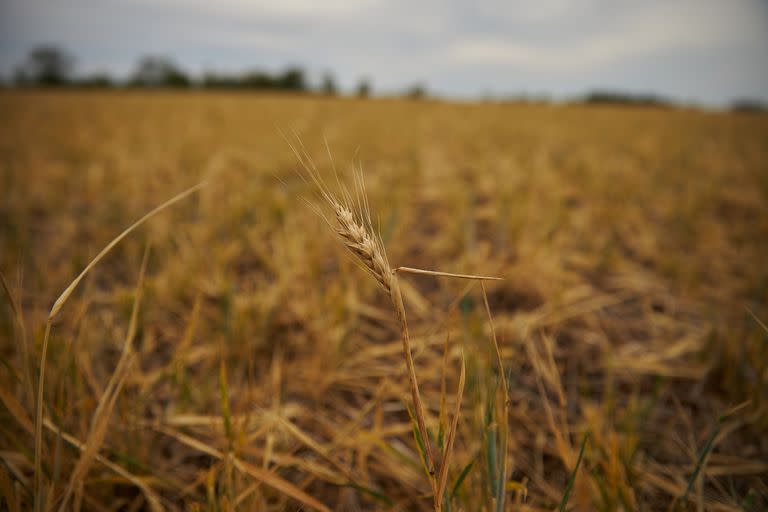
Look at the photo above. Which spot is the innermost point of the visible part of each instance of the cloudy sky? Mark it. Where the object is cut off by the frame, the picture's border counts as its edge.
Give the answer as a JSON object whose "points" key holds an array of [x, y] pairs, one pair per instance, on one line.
{"points": [[706, 51]]}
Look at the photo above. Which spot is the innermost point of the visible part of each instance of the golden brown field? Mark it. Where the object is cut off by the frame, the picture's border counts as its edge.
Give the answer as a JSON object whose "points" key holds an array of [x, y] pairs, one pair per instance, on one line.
{"points": [[253, 365]]}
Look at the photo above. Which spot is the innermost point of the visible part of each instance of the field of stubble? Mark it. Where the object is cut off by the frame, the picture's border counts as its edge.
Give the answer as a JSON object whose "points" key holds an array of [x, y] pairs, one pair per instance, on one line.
{"points": [[228, 354]]}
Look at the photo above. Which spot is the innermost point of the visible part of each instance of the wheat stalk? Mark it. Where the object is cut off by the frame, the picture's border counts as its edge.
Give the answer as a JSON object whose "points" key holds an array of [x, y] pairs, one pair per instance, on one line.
{"points": [[357, 235], [354, 227], [351, 220]]}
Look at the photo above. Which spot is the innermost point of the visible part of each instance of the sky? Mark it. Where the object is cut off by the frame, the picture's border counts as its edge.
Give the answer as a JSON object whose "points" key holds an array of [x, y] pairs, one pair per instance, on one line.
{"points": [[708, 52]]}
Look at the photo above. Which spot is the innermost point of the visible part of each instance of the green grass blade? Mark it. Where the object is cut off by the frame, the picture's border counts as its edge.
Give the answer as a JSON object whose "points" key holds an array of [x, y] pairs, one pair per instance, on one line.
{"points": [[378, 496], [422, 451], [491, 457], [462, 476], [419, 440], [572, 478], [700, 463]]}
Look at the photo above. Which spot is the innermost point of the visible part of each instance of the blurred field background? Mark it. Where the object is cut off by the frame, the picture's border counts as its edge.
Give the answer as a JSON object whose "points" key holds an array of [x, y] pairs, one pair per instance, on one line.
{"points": [[632, 241]]}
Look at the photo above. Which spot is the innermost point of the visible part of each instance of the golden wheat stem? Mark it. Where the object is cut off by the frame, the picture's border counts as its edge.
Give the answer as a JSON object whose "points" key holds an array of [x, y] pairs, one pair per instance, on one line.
{"points": [[358, 237], [421, 271], [397, 302]]}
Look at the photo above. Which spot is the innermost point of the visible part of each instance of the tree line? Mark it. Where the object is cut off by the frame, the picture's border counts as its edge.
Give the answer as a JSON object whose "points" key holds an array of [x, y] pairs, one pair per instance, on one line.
{"points": [[51, 66]]}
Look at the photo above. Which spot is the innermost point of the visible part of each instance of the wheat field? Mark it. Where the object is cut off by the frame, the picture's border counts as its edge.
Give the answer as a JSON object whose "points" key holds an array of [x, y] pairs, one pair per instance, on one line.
{"points": [[229, 354]]}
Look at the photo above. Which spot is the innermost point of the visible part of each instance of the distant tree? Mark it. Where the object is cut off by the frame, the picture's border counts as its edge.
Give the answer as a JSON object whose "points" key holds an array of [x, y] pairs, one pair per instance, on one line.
{"points": [[416, 92], [46, 65], [624, 98], [96, 81], [259, 80], [364, 88], [213, 80], [292, 79], [749, 105], [159, 72], [328, 85]]}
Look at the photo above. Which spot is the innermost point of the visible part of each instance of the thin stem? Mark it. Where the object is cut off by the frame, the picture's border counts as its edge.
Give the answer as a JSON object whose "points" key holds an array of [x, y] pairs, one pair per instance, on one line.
{"points": [[421, 271], [38, 480], [397, 300]]}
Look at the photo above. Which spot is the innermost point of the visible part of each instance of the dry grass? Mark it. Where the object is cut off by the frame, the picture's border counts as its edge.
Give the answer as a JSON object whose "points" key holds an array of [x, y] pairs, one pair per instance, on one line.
{"points": [[253, 366]]}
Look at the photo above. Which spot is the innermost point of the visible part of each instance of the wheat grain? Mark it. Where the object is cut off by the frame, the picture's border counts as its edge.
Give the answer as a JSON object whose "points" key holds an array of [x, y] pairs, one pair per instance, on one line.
{"points": [[361, 243]]}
